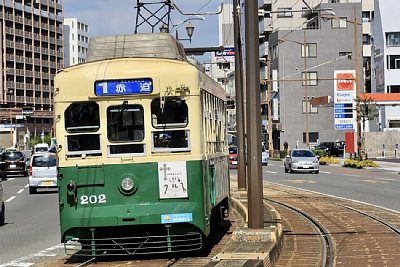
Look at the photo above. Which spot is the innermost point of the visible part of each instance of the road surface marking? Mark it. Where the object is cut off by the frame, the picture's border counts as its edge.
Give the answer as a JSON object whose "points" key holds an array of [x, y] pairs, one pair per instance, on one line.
{"points": [[10, 199], [20, 191], [270, 172], [373, 181], [352, 175], [386, 179], [325, 172], [301, 181]]}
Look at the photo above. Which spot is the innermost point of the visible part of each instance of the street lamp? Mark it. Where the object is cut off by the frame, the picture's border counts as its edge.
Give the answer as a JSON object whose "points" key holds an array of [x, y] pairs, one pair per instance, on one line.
{"points": [[10, 92]]}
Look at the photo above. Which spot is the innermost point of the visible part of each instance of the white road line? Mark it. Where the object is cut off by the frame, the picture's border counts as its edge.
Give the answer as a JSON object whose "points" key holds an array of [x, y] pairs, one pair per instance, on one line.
{"points": [[270, 172], [10, 179], [385, 179], [27, 185], [21, 262], [352, 175], [325, 172], [20, 191], [10, 199]]}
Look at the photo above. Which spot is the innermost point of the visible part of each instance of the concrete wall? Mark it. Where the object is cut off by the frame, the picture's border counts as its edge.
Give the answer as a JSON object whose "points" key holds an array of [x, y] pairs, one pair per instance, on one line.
{"points": [[374, 142]]}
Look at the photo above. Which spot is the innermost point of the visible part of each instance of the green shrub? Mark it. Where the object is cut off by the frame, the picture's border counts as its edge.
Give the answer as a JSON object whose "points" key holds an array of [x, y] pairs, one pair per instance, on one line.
{"points": [[282, 154], [320, 152]]}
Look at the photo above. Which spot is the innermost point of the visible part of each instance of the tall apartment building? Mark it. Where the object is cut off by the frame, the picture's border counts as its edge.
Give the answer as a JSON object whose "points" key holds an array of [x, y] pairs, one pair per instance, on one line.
{"points": [[76, 40], [31, 53]]}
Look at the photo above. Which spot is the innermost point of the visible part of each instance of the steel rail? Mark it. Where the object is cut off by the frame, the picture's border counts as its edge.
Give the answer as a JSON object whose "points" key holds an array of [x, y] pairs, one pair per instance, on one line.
{"points": [[328, 246]]}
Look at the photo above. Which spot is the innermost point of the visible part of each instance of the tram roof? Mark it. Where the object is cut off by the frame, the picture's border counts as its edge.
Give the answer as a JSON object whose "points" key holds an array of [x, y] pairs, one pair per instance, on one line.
{"points": [[147, 45]]}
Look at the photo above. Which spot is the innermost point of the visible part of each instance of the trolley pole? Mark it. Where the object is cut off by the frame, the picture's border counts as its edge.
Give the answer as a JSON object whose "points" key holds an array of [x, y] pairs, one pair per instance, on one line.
{"points": [[253, 115], [240, 122]]}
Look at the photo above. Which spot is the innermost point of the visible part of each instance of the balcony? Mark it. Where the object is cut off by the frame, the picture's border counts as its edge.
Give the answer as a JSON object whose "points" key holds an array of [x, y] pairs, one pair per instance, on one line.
{"points": [[265, 25]]}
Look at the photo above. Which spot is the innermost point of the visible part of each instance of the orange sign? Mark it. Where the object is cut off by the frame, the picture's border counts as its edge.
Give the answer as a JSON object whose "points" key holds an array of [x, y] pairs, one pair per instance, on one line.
{"points": [[345, 81]]}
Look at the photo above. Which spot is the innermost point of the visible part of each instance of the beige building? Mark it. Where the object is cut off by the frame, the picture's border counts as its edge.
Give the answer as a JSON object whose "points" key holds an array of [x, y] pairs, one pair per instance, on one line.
{"points": [[31, 53]]}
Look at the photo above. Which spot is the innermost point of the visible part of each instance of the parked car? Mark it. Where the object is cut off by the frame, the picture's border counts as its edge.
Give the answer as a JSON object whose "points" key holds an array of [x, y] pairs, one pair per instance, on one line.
{"points": [[42, 171], [301, 160], [330, 148], [233, 157], [264, 155], [41, 147], [12, 162], [2, 206]]}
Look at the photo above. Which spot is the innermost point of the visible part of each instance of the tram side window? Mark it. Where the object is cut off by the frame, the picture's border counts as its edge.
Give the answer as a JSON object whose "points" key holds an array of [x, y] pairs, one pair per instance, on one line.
{"points": [[169, 112], [125, 123], [177, 140], [82, 117]]}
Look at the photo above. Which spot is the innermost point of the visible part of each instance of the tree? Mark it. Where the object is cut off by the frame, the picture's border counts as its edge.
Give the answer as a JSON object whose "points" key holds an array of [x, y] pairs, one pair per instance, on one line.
{"points": [[367, 111]]}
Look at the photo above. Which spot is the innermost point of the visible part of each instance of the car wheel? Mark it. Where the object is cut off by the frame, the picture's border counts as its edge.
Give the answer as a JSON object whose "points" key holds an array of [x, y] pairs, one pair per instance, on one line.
{"points": [[3, 215], [317, 172], [32, 190], [286, 169]]}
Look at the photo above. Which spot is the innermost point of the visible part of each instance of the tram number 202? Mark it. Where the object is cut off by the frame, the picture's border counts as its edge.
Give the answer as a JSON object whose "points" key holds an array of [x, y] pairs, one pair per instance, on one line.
{"points": [[93, 199]]}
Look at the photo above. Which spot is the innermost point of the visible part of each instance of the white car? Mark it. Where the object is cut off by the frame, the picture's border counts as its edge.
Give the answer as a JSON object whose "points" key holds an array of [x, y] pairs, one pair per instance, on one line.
{"points": [[42, 171], [264, 155]]}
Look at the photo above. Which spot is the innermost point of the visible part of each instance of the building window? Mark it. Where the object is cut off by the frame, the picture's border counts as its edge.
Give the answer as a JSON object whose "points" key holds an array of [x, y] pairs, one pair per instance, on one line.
{"points": [[366, 39], [393, 39], [309, 49], [224, 65], [366, 16], [311, 109], [285, 12], [348, 54], [313, 137], [340, 23], [394, 89], [393, 62], [310, 78], [394, 123]]}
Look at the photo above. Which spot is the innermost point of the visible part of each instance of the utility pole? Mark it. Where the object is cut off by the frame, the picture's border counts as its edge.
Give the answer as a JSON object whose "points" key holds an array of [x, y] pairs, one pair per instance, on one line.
{"points": [[357, 85], [240, 122], [269, 102], [255, 186], [306, 89]]}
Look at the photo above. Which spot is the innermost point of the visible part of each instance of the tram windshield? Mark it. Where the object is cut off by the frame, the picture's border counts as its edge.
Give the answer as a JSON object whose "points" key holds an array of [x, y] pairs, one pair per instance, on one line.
{"points": [[82, 117], [125, 123], [169, 112]]}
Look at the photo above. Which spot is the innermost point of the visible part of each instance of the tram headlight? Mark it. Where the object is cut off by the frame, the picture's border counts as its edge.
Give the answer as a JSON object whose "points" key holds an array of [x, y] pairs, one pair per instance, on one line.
{"points": [[128, 186]]}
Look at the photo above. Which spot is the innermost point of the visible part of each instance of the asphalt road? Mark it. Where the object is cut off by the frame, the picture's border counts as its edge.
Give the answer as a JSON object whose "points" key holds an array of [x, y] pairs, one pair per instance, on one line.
{"points": [[374, 186], [32, 222]]}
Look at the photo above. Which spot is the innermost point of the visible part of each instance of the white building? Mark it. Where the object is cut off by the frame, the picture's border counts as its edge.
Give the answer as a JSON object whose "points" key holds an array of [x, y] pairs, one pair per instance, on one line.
{"points": [[76, 41]]}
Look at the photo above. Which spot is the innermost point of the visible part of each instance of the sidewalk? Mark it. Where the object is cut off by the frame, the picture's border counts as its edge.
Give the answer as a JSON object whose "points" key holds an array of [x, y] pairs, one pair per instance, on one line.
{"points": [[251, 247]]}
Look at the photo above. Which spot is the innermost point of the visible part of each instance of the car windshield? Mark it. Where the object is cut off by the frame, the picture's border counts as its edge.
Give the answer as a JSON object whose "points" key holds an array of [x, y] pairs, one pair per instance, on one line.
{"points": [[302, 153], [233, 150], [41, 149], [44, 161], [13, 155]]}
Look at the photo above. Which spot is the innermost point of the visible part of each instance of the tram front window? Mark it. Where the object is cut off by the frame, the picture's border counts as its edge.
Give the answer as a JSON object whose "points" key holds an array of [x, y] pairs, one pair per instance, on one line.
{"points": [[82, 117], [169, 112], [125, 123]]}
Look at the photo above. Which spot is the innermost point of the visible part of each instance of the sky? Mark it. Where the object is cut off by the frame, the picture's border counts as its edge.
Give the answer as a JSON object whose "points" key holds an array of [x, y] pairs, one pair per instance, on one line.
{"points": [[112, 17]]}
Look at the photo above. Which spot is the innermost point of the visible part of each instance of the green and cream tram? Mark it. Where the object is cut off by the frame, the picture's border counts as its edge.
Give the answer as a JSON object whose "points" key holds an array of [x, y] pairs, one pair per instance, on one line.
{"points": [[142, 148]]}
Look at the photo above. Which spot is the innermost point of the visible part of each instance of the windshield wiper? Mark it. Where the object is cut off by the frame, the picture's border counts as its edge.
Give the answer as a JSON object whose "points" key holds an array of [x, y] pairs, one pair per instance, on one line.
{"points": [[121, 109]]}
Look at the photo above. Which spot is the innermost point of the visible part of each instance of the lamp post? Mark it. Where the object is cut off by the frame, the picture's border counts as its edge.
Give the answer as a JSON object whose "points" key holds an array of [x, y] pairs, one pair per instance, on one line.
{"points": [[10, 93]]}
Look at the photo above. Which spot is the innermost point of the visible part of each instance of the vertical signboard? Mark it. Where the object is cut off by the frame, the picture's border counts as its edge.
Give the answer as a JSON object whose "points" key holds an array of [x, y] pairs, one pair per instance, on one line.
{"points": [[344, 99]]}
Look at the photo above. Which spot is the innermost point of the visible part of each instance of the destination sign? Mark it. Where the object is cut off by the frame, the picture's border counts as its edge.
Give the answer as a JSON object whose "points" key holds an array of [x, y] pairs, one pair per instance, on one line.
{"points": [[124, 87]]}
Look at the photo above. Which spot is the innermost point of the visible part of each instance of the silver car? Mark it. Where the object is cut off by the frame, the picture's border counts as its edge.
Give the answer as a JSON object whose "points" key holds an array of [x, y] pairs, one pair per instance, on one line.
{"points": [[301, 160], [42, 171]]}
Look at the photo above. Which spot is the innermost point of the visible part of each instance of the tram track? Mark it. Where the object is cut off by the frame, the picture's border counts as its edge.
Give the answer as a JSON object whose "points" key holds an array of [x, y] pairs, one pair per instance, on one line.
{"points": [[327, 243], [359, 233]]}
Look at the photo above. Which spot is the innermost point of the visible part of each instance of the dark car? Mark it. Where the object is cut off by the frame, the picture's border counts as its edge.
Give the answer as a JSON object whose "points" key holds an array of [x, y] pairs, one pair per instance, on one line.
{"points": [[12, 162], [330, 148], [233, 163]]}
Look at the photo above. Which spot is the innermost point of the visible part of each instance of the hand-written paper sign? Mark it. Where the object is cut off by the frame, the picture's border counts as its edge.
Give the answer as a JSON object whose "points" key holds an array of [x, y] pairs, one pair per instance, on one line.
{"points": [[172, 179]]}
